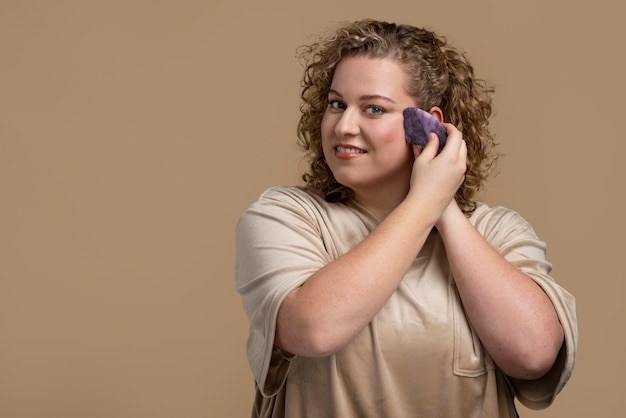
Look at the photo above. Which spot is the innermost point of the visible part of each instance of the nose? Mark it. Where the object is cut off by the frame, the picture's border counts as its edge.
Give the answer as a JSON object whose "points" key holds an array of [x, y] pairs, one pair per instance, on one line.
{"points": [[348, 123]]}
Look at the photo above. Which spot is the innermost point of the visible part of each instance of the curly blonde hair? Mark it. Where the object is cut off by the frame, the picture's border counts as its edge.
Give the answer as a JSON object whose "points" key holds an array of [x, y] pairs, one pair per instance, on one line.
{"points": [[438, 74]]}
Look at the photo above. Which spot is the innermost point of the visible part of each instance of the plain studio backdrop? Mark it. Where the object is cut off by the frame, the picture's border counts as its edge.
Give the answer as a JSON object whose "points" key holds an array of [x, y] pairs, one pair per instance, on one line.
{"points": [[134, 133]]}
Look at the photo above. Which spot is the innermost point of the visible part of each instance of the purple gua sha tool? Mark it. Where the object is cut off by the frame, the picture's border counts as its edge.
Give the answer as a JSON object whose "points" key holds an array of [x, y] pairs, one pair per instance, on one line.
{"points": [[418, 124]]}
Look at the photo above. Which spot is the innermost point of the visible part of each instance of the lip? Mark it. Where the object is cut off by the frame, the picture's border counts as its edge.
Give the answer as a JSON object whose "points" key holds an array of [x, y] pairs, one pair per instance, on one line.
{"points": [[348, 152]]}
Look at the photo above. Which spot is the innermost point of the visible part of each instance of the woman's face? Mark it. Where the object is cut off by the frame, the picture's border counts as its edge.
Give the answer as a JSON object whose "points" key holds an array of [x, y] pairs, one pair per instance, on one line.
{"points": [[362, 130]]}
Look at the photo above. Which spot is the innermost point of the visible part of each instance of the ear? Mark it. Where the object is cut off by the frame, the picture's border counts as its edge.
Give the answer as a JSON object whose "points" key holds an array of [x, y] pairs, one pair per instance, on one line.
{"points": [[436, 113]]}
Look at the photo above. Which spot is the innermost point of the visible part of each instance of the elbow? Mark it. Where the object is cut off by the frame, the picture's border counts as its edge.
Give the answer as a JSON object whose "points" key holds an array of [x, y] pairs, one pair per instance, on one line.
{"points": [[319, 345], [308, 338], [534, 362], [309, 332], [535, 366], [306, 341], [535, 353]]}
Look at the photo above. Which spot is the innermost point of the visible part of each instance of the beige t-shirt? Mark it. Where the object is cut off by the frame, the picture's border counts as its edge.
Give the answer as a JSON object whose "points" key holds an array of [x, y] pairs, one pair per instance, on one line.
{"points": [[419, 357]]}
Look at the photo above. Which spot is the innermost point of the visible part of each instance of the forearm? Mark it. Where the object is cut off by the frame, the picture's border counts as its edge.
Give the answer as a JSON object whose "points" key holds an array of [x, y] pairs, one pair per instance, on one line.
{"points": [[339, 300], [511, 314]]}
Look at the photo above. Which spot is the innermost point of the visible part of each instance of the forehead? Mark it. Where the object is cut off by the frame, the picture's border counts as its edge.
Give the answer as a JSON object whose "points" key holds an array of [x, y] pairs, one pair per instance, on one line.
{"points": [[370, 76]]}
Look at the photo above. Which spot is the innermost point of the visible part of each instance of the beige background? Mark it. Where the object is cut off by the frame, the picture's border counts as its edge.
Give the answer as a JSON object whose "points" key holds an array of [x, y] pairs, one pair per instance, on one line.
{"points": [[133, 134]]}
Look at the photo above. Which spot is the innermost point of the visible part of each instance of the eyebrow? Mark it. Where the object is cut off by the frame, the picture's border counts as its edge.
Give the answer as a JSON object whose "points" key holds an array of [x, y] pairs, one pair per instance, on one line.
{"points": [[366, 97]]}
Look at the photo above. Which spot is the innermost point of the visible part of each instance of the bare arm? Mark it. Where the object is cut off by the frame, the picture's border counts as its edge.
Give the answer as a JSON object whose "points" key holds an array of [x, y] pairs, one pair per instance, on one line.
{"points": [[334, 304], [511, 314], [339, 300]]}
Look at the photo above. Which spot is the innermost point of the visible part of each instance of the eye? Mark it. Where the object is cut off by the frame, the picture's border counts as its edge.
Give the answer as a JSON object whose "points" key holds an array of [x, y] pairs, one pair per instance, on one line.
{"points": [[336, 104], [374, 110]]}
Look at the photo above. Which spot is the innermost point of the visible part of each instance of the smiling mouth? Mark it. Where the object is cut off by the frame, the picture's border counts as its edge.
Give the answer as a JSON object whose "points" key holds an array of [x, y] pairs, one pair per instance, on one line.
{"points": [[349, 150]]}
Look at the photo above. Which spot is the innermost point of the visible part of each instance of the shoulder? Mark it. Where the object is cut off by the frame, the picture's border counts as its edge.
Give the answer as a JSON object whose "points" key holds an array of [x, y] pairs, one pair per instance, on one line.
{"points": [[501, 223], [298, 206], [288, 194], [486, 213], [285, 204], [292, 198]]}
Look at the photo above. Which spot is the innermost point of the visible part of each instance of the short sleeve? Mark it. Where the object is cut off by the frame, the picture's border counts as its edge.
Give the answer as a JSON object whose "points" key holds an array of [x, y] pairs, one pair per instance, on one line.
{"points": [[515, 239], [278, 246]]}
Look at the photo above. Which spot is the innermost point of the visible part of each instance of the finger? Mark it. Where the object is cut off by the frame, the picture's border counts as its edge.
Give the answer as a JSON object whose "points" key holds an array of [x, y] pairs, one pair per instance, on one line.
{"points": [[453, 142], [450, 128], [463, 150], [432, 146], [417, 150]]}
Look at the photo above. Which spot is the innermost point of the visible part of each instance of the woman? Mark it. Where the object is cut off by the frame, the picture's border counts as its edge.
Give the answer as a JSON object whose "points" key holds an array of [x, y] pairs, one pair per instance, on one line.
{"points": [[381, 287]]}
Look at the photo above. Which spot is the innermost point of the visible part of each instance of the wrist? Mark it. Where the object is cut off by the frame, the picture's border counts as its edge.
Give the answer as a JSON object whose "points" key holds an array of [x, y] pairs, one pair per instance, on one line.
{"points": [[451, 217]]}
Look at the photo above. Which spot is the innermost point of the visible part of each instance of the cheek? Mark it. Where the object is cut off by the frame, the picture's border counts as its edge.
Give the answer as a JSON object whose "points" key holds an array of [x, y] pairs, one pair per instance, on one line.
{"points": [[392, 134], [327, 125], [393, 142], [327, 129]]}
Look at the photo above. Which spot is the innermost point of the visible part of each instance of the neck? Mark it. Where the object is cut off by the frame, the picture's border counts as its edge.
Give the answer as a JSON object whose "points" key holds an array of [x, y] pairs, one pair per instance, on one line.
{"points": [[380, 203]]}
